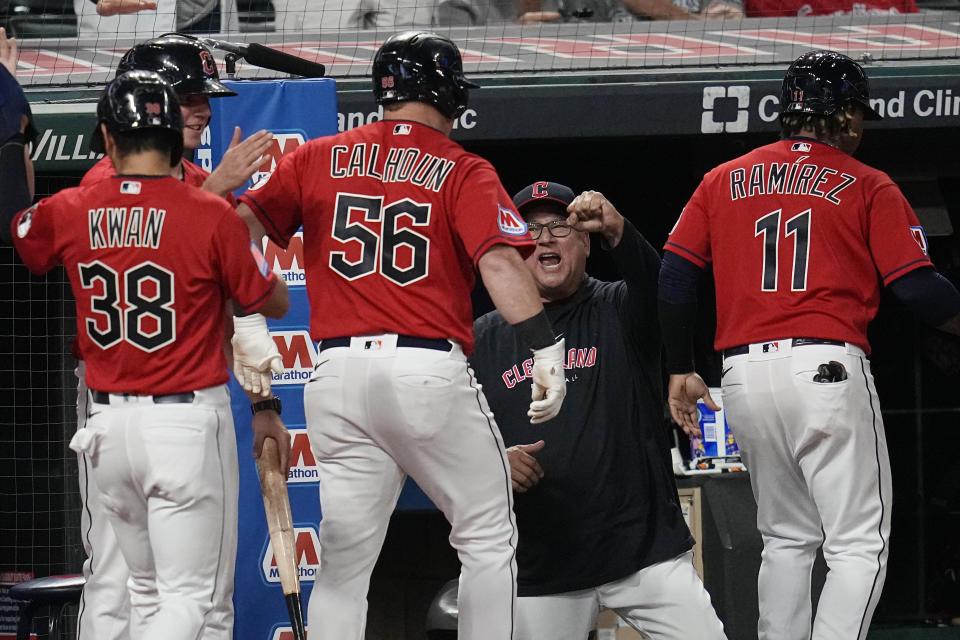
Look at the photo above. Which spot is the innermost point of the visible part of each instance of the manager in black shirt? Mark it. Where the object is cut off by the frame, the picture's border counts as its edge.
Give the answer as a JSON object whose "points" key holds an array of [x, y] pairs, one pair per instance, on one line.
{"points": [[596, 504]]}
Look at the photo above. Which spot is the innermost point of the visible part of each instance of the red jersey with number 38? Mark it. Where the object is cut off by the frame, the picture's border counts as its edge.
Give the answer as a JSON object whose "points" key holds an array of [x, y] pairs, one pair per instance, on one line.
{"points": [[151, 262], [395, 215], [800, 236]]}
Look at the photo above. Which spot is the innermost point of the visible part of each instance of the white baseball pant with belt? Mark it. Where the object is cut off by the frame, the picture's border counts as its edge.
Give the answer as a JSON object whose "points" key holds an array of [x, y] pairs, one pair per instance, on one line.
{"points": [[376, 412], [818, 464], [164, 473]]}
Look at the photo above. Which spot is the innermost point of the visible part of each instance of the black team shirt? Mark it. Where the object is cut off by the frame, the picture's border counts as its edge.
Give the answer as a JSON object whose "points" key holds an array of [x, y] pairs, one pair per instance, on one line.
{"points": [[607, 505]]}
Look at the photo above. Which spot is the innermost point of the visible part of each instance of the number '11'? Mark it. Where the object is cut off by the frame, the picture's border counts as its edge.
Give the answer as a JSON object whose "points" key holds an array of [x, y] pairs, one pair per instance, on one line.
{"points": [[799, 227]]}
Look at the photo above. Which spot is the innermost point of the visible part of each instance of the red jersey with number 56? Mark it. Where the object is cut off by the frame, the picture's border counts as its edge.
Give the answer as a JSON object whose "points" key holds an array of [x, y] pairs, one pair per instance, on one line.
{"points": [[151, 262], [395, 215], [800, 236]]}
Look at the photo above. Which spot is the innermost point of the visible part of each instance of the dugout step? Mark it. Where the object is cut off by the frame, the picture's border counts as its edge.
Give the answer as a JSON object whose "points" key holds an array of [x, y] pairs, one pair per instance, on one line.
{"points": [[50, 594]]}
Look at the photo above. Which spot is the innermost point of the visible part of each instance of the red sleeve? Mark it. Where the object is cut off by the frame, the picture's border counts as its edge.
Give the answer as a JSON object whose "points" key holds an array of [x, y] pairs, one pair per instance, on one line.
{"points": [[277, 199], [690, 237], [484, 214], [245, 274], [896, 239], [33, 236]]}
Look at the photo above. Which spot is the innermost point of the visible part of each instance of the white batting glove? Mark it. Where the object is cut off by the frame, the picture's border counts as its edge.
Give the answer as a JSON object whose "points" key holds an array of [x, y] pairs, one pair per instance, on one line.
{"points": [[549, 383], [255, 354]]}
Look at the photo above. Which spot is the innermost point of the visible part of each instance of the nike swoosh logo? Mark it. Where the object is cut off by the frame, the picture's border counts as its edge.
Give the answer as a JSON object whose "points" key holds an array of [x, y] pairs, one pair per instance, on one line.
{"points": [[725, 371]]}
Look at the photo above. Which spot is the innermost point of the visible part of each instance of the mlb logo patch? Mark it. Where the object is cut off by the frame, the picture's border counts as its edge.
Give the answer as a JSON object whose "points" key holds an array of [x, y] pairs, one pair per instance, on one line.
{"points": [[919, 237], [262, 265], [800, 146], [131, 187], [402, 130], [509, 222], [771, 347]]}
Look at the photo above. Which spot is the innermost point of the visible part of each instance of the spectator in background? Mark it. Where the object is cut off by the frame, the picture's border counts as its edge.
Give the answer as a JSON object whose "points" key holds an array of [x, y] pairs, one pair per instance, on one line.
{"points": [[316, 15], [9, 52], [534, 11], [784, 8], [149, 18]]}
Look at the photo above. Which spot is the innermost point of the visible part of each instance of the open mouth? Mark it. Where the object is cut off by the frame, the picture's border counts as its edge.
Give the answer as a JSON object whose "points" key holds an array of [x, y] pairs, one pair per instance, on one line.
{"points": [[195, 127], [549, 259]]}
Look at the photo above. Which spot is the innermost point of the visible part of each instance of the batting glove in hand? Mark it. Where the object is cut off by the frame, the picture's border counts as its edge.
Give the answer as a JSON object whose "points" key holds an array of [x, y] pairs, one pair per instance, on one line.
{"points": [[549, 383], [255, 354]]}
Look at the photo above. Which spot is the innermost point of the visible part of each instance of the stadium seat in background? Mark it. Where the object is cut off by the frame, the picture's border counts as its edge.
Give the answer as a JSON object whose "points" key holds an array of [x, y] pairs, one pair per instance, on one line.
{"points": [[256, 15], [39, 18]]}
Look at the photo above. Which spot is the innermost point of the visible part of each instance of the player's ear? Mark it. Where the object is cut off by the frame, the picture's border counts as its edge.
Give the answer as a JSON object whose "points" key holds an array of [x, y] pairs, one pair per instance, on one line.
{"points": [[109, 145]]}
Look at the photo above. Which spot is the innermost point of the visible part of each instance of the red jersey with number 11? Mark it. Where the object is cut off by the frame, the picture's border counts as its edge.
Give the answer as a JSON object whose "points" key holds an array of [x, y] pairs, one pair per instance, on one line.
{"points": [[800, 236], [151, 262], [394, 215]]}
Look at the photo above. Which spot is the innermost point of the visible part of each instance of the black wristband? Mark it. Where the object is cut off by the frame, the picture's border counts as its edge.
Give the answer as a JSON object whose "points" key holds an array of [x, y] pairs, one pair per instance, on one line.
{"points": [[536, 331], [266, 405]]}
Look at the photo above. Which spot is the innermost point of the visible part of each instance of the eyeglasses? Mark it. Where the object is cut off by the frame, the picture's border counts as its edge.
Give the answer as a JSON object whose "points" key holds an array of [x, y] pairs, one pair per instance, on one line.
{"points": [[557, 228]]}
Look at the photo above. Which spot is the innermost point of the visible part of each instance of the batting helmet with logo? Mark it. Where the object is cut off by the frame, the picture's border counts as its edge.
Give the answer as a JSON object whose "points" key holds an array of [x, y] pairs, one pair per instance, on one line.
{"points": [[423, 67], [820, 82], [137, 101], [182, 60]]}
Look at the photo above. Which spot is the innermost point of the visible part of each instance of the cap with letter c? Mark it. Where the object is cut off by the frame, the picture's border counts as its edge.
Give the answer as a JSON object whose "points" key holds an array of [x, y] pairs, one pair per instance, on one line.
{"points": [[542, 192]]}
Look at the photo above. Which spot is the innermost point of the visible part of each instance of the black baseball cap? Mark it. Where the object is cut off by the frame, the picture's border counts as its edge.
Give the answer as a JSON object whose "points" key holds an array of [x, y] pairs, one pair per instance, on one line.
{"points": [[543, 191]]}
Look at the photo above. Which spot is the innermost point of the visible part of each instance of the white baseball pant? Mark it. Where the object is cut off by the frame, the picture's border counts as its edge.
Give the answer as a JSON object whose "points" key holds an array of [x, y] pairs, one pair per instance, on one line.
{"points": [[166, 478], [104, 612], [375, 413], [818, 464], [665, 601]]}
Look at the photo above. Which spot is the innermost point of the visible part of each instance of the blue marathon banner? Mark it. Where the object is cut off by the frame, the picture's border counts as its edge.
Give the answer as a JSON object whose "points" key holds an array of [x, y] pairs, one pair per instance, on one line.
{"points": [[294, 111]]}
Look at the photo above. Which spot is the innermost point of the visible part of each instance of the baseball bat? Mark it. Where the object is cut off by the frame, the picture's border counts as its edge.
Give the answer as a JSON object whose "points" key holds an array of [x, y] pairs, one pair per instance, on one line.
{"points": [[261, 56], [276, 506]]}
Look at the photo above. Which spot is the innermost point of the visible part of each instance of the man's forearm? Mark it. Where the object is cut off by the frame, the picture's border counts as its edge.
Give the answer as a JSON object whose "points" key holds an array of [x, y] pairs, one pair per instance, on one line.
{"points": [[658, 9], [14, 185], [509, 283]]}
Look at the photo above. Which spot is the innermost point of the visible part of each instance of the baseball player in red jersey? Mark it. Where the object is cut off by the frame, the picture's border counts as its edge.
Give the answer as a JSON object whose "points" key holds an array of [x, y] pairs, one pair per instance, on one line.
{"points": [[188, 65], [395, 217], [800, 237], [150, 261]]}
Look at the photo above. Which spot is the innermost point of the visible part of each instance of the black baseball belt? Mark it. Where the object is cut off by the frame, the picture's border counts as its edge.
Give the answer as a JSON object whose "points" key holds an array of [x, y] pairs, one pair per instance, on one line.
{"points": [[438, 344], [797, 342], [102, 397]]}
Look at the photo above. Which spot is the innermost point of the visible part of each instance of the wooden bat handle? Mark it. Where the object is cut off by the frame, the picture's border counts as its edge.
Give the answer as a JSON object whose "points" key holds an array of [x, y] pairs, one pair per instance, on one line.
{"points": [[276, 505]]}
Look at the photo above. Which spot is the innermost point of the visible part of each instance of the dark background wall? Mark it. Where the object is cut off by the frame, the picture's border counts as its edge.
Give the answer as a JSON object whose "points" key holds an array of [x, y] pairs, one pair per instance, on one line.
{"points": [[649, 180]]}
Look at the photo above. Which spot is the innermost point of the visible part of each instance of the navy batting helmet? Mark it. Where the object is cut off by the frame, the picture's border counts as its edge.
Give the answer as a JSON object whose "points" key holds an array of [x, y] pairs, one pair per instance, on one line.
{"points": [[820, 82], [182, 60], [137, 101], [423, 67]]}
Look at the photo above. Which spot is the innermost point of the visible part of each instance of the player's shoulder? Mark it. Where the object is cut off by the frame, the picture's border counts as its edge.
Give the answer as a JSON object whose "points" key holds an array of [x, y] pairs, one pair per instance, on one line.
{"points": [[194, 174], [70, 198]]}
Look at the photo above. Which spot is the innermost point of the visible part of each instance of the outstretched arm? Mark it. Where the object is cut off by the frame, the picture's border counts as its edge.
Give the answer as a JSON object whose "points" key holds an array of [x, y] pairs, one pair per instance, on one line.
{"points": [[239, 162], [514, 293]]}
